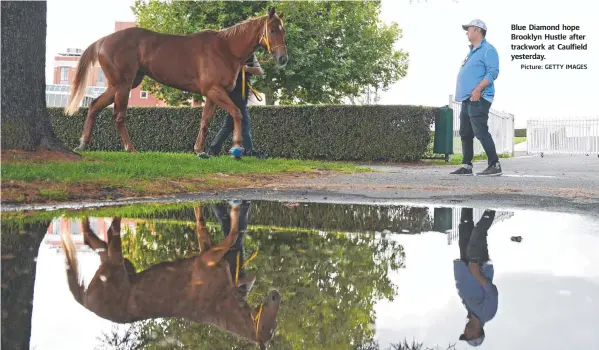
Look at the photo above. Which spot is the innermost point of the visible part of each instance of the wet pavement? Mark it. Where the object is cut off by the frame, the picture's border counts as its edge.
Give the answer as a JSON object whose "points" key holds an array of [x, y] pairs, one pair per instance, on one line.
{"points": [[327, 276]]}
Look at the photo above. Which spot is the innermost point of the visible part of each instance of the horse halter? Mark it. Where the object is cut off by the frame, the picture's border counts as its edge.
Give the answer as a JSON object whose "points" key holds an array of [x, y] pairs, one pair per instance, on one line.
{"points": [[265, 38]]}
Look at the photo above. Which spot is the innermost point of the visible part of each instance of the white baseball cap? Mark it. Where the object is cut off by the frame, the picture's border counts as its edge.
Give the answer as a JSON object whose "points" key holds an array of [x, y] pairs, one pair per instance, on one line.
{"points": [[475, 23]]}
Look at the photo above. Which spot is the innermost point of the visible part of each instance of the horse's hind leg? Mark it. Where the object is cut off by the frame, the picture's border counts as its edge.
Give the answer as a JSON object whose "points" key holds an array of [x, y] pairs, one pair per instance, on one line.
{"points": [[115, 249], [121, 101], [203, 237], [115, 246], [95, 107], [93, 241]]}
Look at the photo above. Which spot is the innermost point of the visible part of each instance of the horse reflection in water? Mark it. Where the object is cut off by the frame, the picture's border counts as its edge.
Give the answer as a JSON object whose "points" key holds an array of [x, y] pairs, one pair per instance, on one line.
{"points": [[201, 288]]}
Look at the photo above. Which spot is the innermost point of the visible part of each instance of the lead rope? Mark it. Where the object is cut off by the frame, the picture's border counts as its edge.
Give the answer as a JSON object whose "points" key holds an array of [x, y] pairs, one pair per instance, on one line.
{"points": [[244, 84], [254, 254]]}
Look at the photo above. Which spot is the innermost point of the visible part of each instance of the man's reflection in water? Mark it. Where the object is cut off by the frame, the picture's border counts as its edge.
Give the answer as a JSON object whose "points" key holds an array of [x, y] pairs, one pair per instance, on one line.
{"points": [[473, 274], [221, 211]]}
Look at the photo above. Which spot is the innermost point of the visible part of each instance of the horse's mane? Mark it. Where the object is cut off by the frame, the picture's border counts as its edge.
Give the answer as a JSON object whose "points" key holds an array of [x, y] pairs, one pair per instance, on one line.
{"points": [[240, 27]]}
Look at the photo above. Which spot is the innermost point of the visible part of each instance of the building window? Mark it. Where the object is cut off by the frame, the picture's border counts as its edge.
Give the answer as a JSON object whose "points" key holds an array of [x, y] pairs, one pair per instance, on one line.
{"points": [[64, 75], [143, 94], [101, 78]]}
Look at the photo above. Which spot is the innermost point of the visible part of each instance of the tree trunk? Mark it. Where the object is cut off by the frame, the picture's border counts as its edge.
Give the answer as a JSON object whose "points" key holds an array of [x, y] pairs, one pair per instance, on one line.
{"points": [[25, 120], [269, 98], [20, 247]]}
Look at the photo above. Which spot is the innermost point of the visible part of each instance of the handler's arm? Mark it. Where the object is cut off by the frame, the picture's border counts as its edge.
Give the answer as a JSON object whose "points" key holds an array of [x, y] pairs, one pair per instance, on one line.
{"points": [[491, 60]]}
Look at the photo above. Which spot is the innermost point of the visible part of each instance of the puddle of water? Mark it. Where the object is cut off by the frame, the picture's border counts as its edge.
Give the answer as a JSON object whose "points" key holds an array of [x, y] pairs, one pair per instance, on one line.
{"points": [[348, 276]]}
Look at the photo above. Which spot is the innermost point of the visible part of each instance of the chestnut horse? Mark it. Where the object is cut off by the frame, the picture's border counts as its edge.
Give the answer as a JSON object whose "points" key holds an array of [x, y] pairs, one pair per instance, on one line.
{"points": [[200, 288], [206, 62]]}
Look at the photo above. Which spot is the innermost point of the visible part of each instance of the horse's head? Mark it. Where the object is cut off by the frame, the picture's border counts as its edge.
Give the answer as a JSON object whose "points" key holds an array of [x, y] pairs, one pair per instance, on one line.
{"points": [[266, 318], [273, 38]]}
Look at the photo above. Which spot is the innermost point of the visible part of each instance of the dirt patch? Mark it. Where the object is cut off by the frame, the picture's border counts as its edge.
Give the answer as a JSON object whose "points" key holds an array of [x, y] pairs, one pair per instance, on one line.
{"points": [[42, 155], [20, 192]]}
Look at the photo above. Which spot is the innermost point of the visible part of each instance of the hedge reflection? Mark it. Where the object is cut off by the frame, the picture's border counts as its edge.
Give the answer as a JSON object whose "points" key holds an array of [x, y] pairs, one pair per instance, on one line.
{"points": [[322, 216], [329, 282]]}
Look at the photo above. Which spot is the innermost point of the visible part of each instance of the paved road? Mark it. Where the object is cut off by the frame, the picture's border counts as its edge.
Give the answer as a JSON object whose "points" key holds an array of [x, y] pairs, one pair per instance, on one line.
{"points": [[554, 182]]}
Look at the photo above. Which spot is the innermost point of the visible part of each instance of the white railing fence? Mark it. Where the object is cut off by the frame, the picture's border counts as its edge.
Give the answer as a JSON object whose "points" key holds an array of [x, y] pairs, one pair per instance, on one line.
{"points": [[563, 136], [454, 235], [501, 128]]}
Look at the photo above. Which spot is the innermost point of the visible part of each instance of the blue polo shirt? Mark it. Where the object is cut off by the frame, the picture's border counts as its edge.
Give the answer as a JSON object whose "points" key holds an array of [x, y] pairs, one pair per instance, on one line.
{"points": [[478, 300], [481, 62]]}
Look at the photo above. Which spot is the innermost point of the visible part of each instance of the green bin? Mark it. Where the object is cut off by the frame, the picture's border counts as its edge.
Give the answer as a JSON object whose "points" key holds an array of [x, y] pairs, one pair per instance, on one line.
{"points": [[442, 219], [443, 143]]}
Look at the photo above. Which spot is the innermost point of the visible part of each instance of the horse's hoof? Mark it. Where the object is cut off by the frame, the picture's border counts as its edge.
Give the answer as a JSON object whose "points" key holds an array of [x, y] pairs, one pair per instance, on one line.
{"points": [[81, 147], [236, 152], [203, 155]]}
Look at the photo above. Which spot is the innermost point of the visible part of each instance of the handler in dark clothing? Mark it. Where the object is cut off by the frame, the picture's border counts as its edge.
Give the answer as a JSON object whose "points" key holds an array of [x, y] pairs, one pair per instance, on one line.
{"points": [[252, 67], [473, 274], [237, 268]]}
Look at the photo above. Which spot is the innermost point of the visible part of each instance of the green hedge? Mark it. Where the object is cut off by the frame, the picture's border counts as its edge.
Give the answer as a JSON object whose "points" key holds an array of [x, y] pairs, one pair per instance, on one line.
{"points": [[353, 133], [519, 132]]}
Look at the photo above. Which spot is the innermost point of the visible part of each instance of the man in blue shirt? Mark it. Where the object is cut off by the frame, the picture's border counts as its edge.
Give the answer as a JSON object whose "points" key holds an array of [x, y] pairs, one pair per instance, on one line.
{"points": [[473, 274], [475, 89]]}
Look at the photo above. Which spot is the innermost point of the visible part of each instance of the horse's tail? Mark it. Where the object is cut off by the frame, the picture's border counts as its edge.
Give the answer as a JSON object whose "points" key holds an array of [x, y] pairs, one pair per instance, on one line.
{"points": [[75, 285], [84, 73]]}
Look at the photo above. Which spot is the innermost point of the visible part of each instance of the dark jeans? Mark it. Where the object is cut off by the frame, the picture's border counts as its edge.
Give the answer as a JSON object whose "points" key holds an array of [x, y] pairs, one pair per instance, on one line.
{"points": [[474, 118], [221, 211], [473, 238], [227, 127]]}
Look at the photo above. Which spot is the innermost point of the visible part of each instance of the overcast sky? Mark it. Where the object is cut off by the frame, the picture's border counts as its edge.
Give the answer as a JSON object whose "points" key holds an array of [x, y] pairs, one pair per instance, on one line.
{"points": [[437, 46]]}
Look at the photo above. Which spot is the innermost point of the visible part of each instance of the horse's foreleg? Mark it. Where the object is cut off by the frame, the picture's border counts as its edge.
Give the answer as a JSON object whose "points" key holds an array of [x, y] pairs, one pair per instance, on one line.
{"points": [[222, 99], [95, 107], [216, 253], [120, 107], [203, 237], [207, 114]]}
